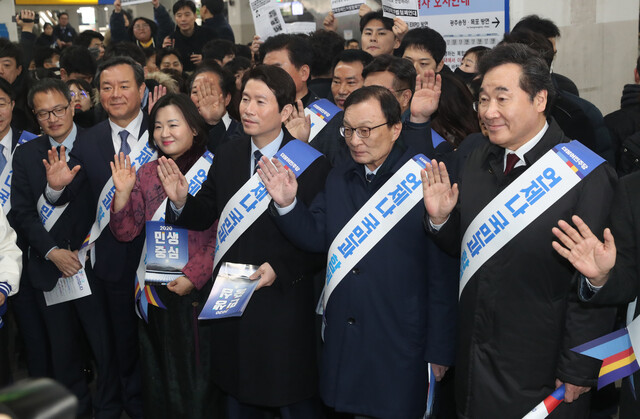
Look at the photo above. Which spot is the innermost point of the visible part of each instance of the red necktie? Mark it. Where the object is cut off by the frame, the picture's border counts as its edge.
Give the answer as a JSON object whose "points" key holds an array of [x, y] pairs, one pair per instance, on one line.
{"points": [[512, 159]]}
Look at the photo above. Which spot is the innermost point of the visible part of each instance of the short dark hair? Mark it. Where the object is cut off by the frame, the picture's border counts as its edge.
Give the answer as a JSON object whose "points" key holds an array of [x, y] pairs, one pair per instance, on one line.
{"points": [[352, 56], [276, 79], [5, 86], [216, 7], [84, 38], [427, 40], [227, 81], [217, 49], [48, 85], [377, 15], [42, 54], [402, 69], [46, 24], [350, 41], [300, 52], [535, 71], [80, 82], [388, 103], [535, 23], [125, 49], [237, 64], [77, 59], [11, 50], [243, 51], [62, 13], [190, 113], [325, 45], [138, 71], [180, 4], [479, 51], [161, 53], [533, 40]]}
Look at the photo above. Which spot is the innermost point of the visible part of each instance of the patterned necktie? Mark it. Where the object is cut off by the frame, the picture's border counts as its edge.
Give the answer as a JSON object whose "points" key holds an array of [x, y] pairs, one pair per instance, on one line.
{"points": [[257, 155], [3, 159], [124, 145], [512, 159]]}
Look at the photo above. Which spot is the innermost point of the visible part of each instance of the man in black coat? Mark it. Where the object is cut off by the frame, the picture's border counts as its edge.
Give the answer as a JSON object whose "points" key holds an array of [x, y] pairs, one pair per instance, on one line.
{"points": [[188, 38], [519, 312], [265, 359], [121, 84], [212, 13], [611, 266], [53, 247]]}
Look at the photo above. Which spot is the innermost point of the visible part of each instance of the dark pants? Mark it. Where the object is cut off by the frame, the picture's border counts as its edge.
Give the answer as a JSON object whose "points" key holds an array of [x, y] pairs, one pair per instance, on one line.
{"points": [[31, 328], [65, 323], [306, 409], [124, 327]]}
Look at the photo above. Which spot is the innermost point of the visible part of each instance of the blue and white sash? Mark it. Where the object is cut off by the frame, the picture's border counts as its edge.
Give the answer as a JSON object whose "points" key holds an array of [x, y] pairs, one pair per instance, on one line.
{"points": [[195, 176], [140, 155], [321, 111], [517, 206], [252, 199], [374, 220], [7, 172]]}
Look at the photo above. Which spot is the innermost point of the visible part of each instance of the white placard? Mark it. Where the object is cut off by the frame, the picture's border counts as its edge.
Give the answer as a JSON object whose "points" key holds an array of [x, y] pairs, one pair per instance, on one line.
{"points": [[67, 289], [267, 18]]}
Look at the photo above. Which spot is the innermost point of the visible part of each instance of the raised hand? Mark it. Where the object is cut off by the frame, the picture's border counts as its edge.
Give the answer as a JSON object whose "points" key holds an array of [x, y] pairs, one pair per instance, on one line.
{"points": [[117, 6], [265, 275], [25, 20], [58, 173], [196, 58], [591, 257], [298, 124], [439, 196], [330, 23], [173, 181], [364, 9], [400, 28], [210, 101], [426, 97], [181, 286], [280, 181], [168, 42], [124, 178], [255, 46], [157, 93]]}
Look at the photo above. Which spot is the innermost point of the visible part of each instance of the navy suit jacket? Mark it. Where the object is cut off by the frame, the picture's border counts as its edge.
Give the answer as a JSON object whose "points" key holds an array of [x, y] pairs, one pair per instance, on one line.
{"points": [[93, 151], [28, 181]]}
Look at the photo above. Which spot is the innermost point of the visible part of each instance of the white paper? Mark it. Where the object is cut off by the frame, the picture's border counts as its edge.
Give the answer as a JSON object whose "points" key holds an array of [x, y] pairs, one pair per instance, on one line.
{"points": [[346, 7], [407, 10], [267, 18], [634, 334], [67, 289], [301, 27]]}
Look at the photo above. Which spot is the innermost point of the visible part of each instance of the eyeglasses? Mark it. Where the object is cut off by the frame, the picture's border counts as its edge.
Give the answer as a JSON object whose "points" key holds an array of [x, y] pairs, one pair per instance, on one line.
{"points": [[82, 93], [58, 112], [363, 132], [140, 27]]}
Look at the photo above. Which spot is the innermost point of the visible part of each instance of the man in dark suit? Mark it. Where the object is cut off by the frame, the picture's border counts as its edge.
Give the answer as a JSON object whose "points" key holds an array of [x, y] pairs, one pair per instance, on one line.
{"points": [[266, 358], [378, 339], [53, 254], [121, 84]]}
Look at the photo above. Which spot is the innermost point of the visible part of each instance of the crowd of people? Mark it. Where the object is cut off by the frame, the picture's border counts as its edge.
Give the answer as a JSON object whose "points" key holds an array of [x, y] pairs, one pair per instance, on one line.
{"points": [[446, 225]]}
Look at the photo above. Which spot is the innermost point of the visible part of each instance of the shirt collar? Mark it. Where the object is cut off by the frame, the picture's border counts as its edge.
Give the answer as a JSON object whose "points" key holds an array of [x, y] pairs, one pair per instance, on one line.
{"points": [[7, 140], [68, 142], [133, 128], [526, 147], [226, 120], [270, 149]]}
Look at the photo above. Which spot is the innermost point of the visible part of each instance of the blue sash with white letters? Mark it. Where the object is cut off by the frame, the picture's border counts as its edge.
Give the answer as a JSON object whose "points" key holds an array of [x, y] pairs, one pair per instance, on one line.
{"points": [[375, 219], [252, 199], [7, 173], [321, 112], [526, 198]]}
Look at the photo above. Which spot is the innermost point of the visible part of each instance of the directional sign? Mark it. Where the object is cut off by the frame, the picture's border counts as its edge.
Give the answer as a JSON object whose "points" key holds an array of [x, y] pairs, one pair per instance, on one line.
{"points": [[465, 24]]}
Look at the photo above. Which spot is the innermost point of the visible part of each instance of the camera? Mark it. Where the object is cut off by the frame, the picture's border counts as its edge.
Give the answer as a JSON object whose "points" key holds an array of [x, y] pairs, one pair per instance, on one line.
{"points": [[36, 18]]}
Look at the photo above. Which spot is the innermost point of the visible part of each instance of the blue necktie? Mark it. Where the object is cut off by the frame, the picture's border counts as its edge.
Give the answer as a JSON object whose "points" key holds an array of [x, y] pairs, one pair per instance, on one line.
{"points": [[369, 177], [257, 155], [3, 159], [124, 145]]}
